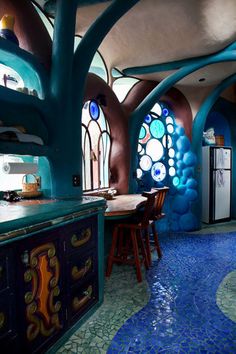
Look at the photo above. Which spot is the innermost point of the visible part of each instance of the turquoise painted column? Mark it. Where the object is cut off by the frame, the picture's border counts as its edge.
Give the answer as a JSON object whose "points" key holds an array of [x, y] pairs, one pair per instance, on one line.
{"points": [[197, 132], [64, 160], [140, 112], [63, 49]]}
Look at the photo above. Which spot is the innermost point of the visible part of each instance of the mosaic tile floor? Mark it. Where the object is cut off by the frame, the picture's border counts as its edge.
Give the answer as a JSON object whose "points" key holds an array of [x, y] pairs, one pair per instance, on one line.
{"points": [[123, 297], [192, 307]]}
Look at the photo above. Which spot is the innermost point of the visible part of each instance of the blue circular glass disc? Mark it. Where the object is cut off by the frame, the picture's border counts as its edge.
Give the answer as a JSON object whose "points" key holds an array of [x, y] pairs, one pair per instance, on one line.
{"points": [[158, 171], [94, 110], [175, 181], [165, 112], [148, 118], [142, 133], [157, 129]]}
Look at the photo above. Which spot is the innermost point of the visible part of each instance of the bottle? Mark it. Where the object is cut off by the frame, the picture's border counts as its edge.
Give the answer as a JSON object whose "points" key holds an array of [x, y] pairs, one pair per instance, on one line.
{"points": [[7, 29]]}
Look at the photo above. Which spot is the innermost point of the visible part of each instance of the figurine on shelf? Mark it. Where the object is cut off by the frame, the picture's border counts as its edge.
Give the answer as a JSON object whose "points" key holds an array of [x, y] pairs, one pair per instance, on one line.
{"points": [[7, 29]]}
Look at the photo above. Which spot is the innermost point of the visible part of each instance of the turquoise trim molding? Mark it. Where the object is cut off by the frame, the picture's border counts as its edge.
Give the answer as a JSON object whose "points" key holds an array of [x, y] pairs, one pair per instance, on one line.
{"points": [[175, 65], [140, 112], [92, 39]]}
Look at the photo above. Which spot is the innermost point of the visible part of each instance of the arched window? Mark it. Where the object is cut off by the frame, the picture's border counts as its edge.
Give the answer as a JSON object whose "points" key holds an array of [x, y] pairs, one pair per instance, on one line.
{"points": [[96, 142], [156, 153]]}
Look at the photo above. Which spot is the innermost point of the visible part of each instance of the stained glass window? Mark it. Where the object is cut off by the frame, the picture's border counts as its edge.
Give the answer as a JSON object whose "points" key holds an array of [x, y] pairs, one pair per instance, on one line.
{"points": [[96, 143], [156, 154]]}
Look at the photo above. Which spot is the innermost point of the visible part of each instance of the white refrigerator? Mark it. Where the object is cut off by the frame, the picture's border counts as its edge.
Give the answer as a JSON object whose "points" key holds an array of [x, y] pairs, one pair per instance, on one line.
{"points": [[216, 183]]}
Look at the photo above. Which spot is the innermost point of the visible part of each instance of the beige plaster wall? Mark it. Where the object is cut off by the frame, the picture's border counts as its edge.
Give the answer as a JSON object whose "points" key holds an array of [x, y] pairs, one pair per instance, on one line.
{"points": [[196, 95]]}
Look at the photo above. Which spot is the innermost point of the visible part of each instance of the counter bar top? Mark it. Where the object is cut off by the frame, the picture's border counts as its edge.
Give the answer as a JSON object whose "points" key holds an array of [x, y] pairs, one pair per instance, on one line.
{"points": [[27, 216]]}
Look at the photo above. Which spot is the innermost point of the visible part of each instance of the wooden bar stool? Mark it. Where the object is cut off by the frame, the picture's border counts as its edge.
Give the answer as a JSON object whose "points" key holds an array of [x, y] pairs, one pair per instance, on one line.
{"points": [[127, 239], [155, 216]]}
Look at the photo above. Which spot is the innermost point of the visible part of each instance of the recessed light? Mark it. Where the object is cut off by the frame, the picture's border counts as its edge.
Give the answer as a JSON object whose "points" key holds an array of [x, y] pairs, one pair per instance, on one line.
{"points": [[202, 79]]}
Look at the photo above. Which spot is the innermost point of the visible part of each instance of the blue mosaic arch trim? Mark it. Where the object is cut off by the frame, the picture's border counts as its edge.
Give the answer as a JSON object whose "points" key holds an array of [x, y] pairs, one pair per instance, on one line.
{"points": [[182, 315]]}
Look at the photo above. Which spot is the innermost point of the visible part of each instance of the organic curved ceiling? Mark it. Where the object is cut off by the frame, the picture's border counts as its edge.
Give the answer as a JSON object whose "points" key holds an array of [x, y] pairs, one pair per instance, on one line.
{"points": [[157, 31]]}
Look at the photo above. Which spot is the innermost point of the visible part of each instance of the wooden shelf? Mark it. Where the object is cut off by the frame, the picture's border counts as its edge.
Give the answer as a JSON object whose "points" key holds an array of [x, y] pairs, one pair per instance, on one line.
{"points": [[18, 109], [19, 148], [25, 64]]}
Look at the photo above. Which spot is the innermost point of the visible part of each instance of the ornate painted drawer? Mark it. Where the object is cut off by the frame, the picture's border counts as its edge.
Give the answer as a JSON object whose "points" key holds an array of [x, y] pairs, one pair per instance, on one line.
{"points": [[81, 298], [82, 267], [81, 235]]}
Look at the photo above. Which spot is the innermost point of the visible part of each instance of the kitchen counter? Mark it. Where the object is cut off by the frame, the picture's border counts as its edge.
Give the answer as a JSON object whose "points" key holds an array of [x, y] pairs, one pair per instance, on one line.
{"points": [[27, 216]]}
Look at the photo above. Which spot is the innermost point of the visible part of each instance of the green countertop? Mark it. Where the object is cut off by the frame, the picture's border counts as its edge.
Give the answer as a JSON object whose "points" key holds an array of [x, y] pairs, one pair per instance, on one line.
{"points": [[36, 214]]}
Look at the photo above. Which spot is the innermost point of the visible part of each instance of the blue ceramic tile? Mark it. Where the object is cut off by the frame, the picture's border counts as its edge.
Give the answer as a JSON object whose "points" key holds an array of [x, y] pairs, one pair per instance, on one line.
{"points": [[182, 315]]}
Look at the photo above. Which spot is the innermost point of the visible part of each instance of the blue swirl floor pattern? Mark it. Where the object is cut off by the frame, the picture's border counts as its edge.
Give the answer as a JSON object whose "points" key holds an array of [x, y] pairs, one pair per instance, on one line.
{"points": [[182, 315]]}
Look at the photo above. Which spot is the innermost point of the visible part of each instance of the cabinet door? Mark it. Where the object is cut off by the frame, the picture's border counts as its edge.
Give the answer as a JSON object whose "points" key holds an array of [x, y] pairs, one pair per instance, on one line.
{"points": [[7, 302], [40, 291]]}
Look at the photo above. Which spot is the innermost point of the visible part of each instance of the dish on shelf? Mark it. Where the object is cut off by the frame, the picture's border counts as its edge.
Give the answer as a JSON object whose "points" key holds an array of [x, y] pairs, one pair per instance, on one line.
{"points": [[30, 194], [14, 134]]}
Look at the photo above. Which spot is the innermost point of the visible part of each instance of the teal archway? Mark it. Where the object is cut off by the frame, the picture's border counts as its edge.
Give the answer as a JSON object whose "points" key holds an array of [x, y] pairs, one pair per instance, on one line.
{"points": [[228, 54], [198, 127]]}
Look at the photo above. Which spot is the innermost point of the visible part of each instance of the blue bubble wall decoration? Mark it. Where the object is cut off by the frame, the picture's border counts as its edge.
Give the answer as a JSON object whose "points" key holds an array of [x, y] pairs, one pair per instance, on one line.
{"points": [[179, 170]]}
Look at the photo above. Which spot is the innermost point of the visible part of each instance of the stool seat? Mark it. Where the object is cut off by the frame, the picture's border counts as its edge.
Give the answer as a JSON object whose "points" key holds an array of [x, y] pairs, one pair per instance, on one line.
{"points": [[127, 239]]}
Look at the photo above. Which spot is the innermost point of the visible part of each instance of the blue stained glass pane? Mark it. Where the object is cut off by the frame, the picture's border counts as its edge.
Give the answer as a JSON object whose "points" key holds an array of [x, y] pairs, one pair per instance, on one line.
{"points": [[157, 129], [148, 118], [142, 133], [175, 181], [165, 112], [94, 110], [158, 171]]}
